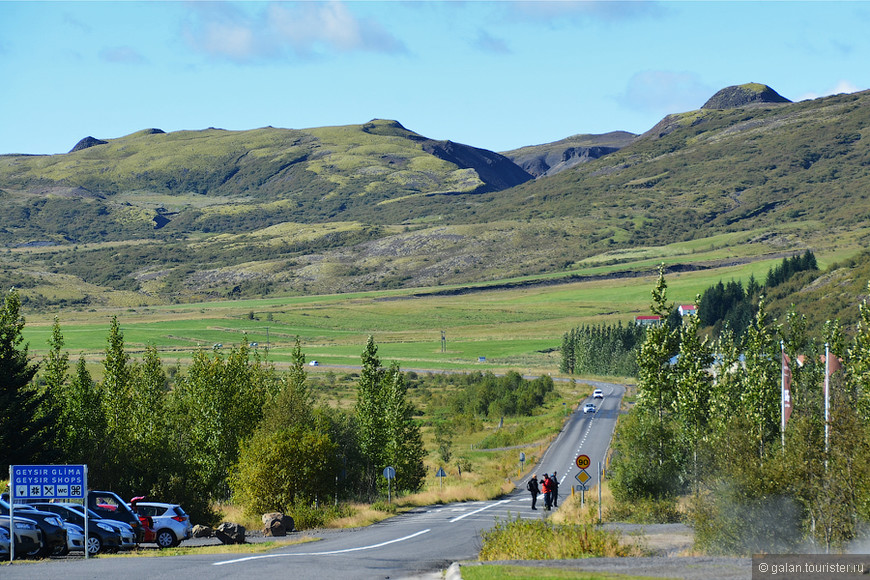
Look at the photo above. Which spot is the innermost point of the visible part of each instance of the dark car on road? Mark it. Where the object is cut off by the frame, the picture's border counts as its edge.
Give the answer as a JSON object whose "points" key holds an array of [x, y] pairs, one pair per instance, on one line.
{"points": [[102, 535], [53, 531]]}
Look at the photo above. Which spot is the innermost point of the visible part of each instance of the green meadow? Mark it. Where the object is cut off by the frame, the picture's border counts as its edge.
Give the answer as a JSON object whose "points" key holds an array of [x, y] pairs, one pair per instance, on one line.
{"points": [[519, 328]]}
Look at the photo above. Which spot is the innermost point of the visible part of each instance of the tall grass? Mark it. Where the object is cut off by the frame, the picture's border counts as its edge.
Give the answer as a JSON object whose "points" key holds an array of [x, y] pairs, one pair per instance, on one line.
{"points": [[533, 539]]}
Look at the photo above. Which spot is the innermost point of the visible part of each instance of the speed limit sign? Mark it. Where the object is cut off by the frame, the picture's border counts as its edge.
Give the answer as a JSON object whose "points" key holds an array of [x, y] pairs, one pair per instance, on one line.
{"points": [[583, 461]]}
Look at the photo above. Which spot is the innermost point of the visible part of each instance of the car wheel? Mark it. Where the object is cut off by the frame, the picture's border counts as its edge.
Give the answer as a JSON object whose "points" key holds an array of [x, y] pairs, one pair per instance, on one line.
{"points": [[60, 551], [95, 545], [40, 552], [165, 539]]}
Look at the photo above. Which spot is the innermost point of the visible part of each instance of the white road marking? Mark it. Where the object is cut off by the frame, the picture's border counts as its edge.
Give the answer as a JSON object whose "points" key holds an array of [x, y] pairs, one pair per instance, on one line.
{"points": [[249, 558], [486, 507]]}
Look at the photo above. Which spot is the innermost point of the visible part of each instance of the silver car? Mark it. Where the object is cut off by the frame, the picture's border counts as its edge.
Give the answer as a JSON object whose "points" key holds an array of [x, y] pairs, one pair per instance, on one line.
{"points": [[28, 536], [171, 523], [75, 540]]}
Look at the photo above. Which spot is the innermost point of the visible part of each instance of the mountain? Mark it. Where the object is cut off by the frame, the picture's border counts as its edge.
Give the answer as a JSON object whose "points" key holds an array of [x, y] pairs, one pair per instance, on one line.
{"points": [[310, 175], [196, 215], [552, 158], [744, 96], [773, 165]]}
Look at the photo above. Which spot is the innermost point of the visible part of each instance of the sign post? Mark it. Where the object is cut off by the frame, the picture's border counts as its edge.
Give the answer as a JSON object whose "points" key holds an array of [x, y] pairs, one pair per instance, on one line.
{"points": [[46, 482], [389, 473], [440, 475]]}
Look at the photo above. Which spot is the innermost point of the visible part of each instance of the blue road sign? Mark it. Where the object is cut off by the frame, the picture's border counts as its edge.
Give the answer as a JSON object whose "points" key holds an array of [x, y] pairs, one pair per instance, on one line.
{"points": [[48, 481]]}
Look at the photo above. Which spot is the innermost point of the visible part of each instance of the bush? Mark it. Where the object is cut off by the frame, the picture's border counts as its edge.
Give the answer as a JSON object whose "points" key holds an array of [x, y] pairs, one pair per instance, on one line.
{"points": [[307, 517], [521, 539], [646, 511]]}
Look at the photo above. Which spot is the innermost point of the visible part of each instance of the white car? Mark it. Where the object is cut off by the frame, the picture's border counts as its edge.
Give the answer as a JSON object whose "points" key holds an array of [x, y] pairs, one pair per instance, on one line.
{"points": [[597, 394], [588, 408], [313, 363], [75, 540], [171, 523]]}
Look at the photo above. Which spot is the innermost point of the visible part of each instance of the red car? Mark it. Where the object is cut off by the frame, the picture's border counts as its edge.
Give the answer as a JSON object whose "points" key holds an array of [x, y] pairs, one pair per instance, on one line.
{"points": [[147, 522]]}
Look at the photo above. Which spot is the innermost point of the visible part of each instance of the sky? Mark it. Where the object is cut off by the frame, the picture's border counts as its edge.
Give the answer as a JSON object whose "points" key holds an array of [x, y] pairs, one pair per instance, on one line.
{"points": [[491, 74]]}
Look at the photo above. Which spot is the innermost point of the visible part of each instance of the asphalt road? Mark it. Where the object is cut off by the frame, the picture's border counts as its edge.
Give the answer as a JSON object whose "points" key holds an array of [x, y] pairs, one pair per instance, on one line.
{"points": [[418, 543]]}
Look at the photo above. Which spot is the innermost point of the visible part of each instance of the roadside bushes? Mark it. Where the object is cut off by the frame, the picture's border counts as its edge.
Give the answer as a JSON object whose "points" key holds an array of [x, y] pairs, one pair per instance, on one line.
{"points": [[532, 539], [511, 395]]}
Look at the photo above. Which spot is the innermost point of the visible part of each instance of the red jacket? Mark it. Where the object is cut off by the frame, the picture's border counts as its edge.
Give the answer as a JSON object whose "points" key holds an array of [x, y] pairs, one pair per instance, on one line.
{"points": [[547, 485]]}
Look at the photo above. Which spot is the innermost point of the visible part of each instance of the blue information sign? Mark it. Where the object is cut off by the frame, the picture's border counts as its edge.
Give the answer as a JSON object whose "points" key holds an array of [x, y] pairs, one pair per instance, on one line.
{"points": [[48, 481]]}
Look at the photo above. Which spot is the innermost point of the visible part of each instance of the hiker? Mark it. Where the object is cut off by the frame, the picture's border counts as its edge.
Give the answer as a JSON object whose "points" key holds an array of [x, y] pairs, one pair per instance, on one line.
{"points": [[547, 488], [555, 479], [534, 489]]}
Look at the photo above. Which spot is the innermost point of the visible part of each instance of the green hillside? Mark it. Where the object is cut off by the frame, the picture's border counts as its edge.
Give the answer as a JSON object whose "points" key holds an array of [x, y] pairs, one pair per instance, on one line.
{"points": [[156, 217]]}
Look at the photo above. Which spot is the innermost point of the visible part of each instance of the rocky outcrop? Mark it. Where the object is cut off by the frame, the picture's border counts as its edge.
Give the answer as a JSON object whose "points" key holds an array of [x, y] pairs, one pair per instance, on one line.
{"points": [[743, 96], [495, 170], [86, 143], [552, 158]]}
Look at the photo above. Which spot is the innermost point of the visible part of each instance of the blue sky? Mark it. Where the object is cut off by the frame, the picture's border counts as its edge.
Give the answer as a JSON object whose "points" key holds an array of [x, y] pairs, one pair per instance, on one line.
{"points": [[496, 75]]}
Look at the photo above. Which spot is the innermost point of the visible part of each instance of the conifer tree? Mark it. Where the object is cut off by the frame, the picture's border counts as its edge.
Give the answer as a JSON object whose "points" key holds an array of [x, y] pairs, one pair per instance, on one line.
{"points": [[27, 427]]}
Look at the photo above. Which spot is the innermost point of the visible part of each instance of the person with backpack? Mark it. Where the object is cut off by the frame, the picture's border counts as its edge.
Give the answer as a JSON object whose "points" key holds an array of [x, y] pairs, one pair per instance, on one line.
{"points": [[534, 489], [547, 488]]}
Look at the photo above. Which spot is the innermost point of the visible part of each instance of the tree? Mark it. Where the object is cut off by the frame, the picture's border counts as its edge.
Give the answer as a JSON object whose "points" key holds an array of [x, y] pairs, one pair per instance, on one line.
{"points": [[54, 377], [84, 421], [276, 470], [220, 403], [387, 433], [761, 395], [369, 413], [694, 387], [27, 424], [116, 383], [656, 384], [404, 443]]}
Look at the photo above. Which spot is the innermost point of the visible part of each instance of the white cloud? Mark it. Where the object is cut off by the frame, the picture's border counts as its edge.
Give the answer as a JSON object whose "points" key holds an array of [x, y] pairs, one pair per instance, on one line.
{"points": [[302, 29], [665, 92], [841, 87]]}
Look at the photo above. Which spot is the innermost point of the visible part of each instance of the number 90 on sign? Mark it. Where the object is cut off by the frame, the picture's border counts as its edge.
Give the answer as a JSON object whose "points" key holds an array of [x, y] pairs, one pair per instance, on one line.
{"points": [[583, 461]]}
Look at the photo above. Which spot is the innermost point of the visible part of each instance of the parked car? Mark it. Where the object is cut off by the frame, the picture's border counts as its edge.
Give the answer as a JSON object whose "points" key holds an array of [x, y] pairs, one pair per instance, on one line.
{"points": [[53, 532], [170, 522], [75, 540], [588, 408], [28, 536], [128, 535], [103, 536], [4, 544], [597, 394], [108, 505]]}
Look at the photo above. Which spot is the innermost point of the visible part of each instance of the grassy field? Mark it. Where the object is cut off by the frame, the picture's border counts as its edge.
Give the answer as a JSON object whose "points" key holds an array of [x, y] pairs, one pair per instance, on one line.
{"points": [[518, 328]]}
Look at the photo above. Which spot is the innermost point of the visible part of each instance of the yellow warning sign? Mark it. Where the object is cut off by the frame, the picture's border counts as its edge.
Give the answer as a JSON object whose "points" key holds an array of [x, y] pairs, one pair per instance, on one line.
{"points": [[583, 477]]}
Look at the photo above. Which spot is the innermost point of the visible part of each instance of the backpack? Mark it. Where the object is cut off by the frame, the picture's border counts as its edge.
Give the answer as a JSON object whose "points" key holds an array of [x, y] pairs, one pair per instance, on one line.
{"points": [[530, 486]]}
